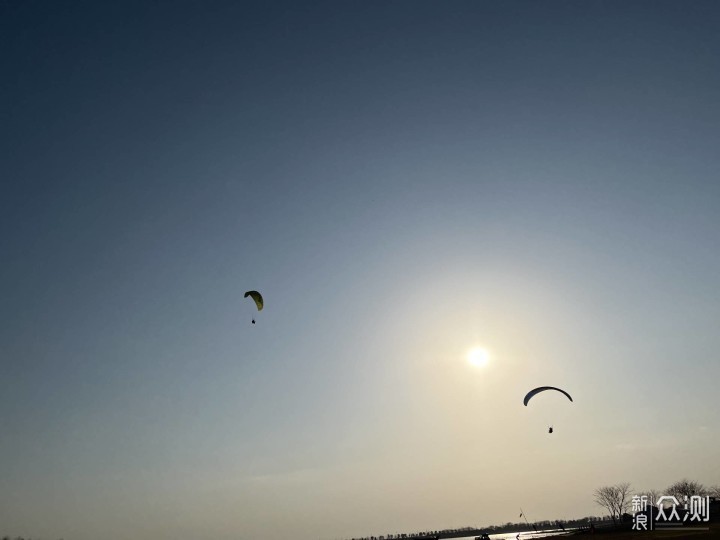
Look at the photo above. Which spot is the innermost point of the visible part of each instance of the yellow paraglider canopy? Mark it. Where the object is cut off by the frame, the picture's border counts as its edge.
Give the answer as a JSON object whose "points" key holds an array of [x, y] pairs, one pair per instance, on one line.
{"points": [[257, 297]]}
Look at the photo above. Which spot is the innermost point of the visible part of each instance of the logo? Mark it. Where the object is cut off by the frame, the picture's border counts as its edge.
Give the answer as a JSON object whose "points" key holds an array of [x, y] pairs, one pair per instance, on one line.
{"points": [[669, 513]]}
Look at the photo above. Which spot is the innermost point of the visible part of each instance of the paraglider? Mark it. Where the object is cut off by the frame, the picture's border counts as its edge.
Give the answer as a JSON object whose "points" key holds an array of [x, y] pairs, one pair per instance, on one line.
{"points": [[539, 389], [257, 298]]}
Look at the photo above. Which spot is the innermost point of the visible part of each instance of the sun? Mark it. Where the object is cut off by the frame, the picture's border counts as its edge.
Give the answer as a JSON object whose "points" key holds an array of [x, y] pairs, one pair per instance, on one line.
{"points": [[478, 357]]}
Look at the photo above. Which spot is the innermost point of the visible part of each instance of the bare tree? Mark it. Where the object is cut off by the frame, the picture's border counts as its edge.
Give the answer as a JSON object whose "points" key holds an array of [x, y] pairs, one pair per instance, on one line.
{"points": [[714, 491], [685, 488], [615, 499], [652, 496]]}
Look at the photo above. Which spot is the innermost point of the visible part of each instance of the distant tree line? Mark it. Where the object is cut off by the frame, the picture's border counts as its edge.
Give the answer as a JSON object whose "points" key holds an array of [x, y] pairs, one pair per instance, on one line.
{"points": [[6, 537], [430, 534]]}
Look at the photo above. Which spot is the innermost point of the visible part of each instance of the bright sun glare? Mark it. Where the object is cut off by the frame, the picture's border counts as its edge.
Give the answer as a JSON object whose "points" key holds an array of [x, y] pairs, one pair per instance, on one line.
{"points": [[478, 357]]}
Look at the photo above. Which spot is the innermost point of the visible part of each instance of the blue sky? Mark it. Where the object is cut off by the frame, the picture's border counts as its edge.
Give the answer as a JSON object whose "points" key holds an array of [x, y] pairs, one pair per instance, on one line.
{"points": [[403, 181]]}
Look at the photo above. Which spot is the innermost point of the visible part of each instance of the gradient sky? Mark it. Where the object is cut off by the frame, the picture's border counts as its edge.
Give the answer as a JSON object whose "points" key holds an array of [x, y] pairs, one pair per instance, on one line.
{"points": [[402, 181]]}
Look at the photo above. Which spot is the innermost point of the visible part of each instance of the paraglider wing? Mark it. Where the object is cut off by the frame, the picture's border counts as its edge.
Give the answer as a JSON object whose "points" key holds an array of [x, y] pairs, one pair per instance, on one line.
{"points": [[531, 393], [257, 297]]}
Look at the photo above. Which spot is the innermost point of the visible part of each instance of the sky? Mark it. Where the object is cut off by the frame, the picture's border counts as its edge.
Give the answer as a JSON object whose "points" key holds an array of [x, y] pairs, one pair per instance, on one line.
{"points": [[403, 182]]}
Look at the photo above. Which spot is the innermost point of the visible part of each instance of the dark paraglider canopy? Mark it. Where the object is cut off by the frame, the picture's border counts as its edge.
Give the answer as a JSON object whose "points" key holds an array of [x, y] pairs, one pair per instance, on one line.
{"points": [[257, 297], [539, 389]]}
